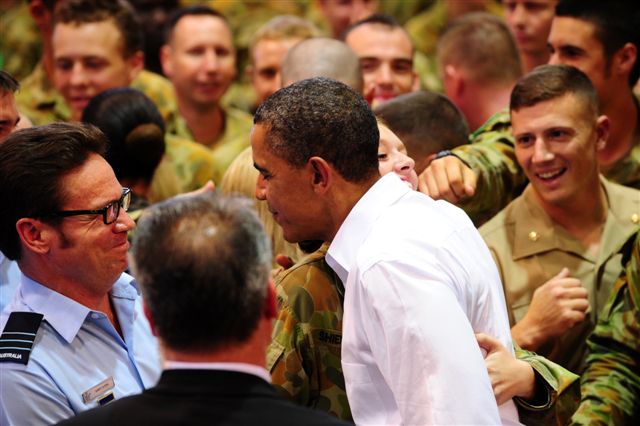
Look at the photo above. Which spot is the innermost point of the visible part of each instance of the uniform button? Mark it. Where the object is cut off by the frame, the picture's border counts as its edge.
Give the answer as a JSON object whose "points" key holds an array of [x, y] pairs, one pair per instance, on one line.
{"points": [[95, 315], [635, 218], [533, 236]]}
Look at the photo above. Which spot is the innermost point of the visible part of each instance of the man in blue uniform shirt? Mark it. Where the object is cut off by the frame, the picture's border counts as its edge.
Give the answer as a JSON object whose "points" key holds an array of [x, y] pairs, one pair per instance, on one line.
{"points": [[74, 336]]}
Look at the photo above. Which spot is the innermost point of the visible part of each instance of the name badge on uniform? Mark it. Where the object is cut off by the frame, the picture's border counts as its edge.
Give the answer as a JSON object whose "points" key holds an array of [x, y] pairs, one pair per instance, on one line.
{"points": [[98, 390]]}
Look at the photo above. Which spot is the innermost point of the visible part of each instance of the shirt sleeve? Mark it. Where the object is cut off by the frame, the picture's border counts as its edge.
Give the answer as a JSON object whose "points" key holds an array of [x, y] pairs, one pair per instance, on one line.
{"points": [[424, 346], [29, 396], [610, 384]]}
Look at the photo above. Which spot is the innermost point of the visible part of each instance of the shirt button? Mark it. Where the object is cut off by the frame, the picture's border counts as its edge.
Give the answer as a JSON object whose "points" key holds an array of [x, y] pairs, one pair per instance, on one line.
{"points": [[635, 218], [533, 236], [95, 315]]}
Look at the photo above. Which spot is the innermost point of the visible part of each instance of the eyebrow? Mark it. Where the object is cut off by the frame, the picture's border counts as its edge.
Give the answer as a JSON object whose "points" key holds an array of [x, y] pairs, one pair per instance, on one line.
{"points": [[259, 168]]}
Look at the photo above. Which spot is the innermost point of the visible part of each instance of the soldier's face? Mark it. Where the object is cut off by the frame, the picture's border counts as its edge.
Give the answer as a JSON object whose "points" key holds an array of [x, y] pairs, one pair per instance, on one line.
{"points": [[556, 144], [267, 58], [386, 58], [530, 22], [392, 157], [89, 59], [9, 116], [200, 60]]}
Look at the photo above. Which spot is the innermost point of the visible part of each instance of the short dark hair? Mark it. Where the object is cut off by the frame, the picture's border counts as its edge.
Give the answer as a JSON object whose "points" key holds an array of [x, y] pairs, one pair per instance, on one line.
{"points": [[322, 117], [377, 18], [210, 288], [135, 129], [616, 23], [548, 82], [120, 11], [32, 163], [8, 84], [196, 10], [468, 42], [426, 122]]}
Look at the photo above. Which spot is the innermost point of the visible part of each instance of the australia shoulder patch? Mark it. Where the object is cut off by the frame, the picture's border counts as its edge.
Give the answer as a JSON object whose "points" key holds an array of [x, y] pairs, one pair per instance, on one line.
{"points": [[18, 336]]}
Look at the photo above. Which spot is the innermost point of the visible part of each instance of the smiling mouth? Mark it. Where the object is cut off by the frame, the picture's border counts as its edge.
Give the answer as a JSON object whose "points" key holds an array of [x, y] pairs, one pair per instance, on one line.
{"points": [[551, 175]]}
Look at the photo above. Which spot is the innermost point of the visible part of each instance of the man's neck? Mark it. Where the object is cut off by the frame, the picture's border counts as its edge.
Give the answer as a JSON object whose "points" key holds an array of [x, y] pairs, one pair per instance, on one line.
{"points": [[206, 124], [530, 60], [343, 201], [623, 113], [584, 217], [486, 101]]}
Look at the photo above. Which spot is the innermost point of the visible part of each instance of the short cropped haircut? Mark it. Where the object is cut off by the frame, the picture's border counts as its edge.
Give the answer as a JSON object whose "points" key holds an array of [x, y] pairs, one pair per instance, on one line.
{"points": [[135, 129], [426, 122], [482, 44], [196, 10], [124, 17], [322, 117], [616, 23], [548, 82], [203, 264], [8, 84], [378, 19], [32, 163], [284, 27]]}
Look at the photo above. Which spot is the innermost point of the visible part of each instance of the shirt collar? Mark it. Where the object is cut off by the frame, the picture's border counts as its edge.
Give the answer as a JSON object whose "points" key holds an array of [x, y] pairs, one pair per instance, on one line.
{"points": [[240, 367], [66, 315], [343, 250]]}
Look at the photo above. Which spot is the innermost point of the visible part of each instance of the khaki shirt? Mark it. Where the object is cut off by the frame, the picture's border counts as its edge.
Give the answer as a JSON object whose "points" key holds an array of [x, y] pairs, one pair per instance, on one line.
{"points": [[529, 249], [234, 139]]}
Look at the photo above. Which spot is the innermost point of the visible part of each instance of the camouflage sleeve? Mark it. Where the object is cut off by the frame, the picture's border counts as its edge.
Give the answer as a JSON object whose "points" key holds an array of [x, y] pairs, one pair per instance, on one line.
{"points": [[611, 382], [558, 392], [491, 155], [304, 355]]}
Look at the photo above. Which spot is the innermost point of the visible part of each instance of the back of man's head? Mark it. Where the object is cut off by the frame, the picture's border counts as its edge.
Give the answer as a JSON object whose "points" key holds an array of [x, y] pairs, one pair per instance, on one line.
{"points": [[322, 57], [32, 162], [481, 46], [426, 122], [549, 82], [616, 23], [78, 12], [325, 118], [209, 290]]}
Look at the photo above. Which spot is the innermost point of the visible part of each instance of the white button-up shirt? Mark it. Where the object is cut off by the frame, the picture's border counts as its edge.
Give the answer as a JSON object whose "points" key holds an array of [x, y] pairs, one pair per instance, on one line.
{"points": [[419, 281]]}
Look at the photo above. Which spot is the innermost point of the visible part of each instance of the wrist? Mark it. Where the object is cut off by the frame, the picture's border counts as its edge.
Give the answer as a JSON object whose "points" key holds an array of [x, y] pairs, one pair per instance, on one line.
{"points": [[525, 335]]}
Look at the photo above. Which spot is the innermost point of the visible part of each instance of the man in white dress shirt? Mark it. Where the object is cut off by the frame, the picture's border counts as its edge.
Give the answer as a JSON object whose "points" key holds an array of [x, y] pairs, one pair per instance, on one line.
{"points": [[419, 280]]}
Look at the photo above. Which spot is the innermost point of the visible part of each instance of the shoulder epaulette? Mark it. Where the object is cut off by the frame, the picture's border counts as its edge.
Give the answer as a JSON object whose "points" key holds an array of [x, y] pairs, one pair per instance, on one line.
{"points": [[18, 336]]}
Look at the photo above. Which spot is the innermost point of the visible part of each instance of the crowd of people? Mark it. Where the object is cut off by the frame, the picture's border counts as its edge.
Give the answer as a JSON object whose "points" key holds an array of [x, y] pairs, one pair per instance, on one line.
{"points": [[322, 212]]}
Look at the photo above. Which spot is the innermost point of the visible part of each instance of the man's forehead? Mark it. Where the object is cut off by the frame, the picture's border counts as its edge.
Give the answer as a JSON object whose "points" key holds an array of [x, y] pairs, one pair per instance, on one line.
{"points": [[199, 25], [104, 39], [569, 30]]}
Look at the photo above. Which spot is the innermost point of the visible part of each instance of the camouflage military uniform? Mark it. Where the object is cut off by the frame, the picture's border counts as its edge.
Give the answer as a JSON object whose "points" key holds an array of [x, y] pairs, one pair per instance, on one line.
{"points": [[611, 382], [234, 139], [557, 388], [193, 163], [491, 155], [20, 43], [304, 355]]}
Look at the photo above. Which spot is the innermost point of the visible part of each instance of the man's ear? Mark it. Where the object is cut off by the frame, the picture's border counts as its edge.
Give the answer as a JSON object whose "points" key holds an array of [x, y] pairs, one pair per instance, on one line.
{"points": [[453, 80], [625, 58], [602, 130], [322, 174], [35, 235], [147, 314], [136, 64], [270, 305], [165, 60], [415, 86]]}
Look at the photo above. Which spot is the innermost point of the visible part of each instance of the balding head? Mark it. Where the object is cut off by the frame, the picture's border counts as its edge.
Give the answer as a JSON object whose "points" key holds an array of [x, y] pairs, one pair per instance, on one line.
{"points": [[322, 57]]}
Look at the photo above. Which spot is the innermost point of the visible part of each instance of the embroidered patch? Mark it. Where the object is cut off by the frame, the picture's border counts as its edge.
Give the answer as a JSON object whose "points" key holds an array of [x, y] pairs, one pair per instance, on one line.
{"points": [[18, 335]]}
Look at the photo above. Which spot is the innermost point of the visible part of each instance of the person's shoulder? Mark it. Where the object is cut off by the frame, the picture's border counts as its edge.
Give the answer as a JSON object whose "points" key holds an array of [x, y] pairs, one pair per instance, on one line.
{"points": [[497, 127], [289, 413], [505, 218], [115, 412], [19, 333]]}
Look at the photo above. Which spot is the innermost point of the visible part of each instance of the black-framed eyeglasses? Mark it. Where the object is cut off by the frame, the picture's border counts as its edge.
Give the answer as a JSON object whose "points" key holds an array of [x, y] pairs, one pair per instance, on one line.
{"points": [[109, 213]]}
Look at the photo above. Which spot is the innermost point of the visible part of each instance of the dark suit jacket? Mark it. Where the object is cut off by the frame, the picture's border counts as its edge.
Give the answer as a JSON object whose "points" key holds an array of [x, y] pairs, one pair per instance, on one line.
{"points": [[204, 397]]}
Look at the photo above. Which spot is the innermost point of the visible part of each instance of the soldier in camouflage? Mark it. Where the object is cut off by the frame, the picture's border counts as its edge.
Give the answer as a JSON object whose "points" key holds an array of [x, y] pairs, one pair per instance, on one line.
{"points": [[611, 382], [486, 169]]}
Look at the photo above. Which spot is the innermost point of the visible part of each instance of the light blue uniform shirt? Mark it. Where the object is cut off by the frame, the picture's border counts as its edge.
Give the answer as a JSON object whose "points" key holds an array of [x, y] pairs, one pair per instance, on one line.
{"points": [[9, 280], [75, 350]]}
